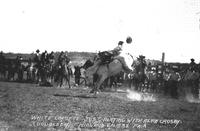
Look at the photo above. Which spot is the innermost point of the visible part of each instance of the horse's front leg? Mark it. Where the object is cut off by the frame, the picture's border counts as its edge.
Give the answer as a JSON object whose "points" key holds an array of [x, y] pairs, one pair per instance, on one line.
{"points": [[96, 85], [68, 81], [99, 83]]}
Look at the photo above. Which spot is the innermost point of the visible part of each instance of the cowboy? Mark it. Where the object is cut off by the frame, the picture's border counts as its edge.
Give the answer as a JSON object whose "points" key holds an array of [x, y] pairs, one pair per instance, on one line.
{"points": [[141, 59], [124, 49], [60, 57], [63, 56], [37, 58], [192, 65], [37, 52], [44, 59], [17, 61], [107, 56], [149, 66], [173, 80], [165, 80], [116, 53], [51, 55], [117, 50], [67, 59]]}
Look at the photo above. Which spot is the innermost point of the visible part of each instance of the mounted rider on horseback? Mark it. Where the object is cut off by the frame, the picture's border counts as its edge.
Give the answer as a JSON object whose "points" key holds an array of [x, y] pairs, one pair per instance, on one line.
{"points": [[106, 57], [36, 59], [109, 64], [193, 66], [63, 58], [62, 69]]}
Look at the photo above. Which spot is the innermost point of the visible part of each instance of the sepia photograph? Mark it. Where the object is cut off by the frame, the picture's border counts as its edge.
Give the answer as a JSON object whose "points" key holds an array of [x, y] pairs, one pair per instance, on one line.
{"points": [[99, 65]]}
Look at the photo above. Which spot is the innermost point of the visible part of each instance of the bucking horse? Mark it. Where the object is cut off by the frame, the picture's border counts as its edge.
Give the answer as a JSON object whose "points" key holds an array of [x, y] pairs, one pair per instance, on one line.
{"points": [[98, 73]]}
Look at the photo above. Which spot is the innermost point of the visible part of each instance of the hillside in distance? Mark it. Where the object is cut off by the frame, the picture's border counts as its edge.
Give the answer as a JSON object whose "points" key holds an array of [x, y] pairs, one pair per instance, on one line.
{"points": [[73, 55], [76, 57]]}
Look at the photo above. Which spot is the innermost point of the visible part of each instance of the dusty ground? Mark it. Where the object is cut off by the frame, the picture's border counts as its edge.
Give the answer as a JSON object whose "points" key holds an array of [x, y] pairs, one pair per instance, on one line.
{"points": [[25, 107]]}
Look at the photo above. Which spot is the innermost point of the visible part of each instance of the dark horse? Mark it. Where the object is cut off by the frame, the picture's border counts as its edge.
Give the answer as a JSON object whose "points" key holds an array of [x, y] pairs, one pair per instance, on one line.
{"points": [[87, 64], [139, 77], [62, 72], [192, 80]]}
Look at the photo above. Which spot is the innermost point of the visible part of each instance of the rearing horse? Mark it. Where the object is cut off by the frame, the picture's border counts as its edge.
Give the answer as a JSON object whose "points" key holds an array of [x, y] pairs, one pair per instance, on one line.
{"points": [[103, 71]]}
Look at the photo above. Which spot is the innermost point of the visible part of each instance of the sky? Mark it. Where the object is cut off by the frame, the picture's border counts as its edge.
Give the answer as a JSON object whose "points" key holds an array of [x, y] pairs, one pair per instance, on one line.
{"points": [[156, 26]]}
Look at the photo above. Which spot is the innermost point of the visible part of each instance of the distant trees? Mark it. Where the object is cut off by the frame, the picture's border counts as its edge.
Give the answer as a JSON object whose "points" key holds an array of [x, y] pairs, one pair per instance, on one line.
{"points": [[72, 55]]}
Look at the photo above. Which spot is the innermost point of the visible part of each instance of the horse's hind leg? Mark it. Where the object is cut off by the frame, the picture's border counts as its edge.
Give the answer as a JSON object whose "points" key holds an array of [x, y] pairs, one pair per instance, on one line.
{"points": [[97, 84]]}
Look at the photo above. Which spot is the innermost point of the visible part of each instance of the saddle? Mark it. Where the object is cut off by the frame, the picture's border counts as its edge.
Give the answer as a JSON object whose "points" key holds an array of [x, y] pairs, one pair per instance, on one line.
{"points": [[106, 57]]}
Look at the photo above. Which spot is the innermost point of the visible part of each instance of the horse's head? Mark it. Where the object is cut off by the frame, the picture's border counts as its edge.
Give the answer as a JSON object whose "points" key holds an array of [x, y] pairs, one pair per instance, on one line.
{"points": [[89, 77], [87, 64]]}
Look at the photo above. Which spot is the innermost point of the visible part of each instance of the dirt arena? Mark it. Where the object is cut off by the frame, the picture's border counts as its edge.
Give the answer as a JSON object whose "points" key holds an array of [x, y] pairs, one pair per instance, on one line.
{"points": [[25, 107]]}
